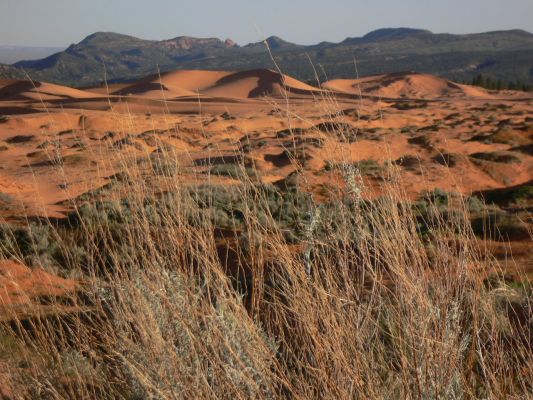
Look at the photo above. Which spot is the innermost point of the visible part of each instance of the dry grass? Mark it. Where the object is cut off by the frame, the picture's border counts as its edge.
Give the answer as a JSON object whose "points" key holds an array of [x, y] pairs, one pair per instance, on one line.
{"points": [[356, 304]]}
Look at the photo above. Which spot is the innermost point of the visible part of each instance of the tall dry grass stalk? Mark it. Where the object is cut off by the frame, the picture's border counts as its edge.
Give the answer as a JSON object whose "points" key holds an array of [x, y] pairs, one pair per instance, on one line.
{"points": [[361, 305]]}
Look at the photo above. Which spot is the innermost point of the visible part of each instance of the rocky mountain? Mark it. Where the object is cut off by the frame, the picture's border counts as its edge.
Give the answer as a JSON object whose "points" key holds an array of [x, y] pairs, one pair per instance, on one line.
{"points": [[9, 72], [502, 55]]}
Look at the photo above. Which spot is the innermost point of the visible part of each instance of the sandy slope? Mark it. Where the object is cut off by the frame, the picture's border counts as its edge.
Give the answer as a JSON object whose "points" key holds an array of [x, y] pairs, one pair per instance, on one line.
{"points": [[26, 90], [250, 84], [244, 84], [409, 85], [257, 83], [21, 285], [88, 134]]}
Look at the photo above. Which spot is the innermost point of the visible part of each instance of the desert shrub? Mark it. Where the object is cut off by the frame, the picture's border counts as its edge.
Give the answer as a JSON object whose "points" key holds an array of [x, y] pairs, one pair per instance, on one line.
{"points": [[409, 105], [369, 167], [342, 130], [436, 197], [5, 198], [422, 140], [525, 149], [290, 132], [59, 161], [521, 195], [475, 205], [446, 159], [430, 128], [408, 161], [234, 171], [434, 209], [164, 165], [501, 225], [499, 157], [408, 129], [66, 132], [17, 139], [34, 244]]}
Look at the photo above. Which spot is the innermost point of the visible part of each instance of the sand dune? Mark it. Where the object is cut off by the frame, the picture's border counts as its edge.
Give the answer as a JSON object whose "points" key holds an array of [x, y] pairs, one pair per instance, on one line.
{"points": [[248, 85], [194, 81], [244, 84], [257, 83], [26, 90], [409, 85], [81, 128], [165, 86]]}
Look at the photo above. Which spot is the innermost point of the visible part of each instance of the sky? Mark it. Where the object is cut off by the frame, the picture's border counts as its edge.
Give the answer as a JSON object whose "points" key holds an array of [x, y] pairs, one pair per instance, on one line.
{"points": [[62, 22]]}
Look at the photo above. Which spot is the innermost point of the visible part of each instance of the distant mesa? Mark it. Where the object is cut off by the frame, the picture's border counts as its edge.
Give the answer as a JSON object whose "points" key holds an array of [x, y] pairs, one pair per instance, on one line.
{"points": [[188, 42], [387, 33], [103, 38]]}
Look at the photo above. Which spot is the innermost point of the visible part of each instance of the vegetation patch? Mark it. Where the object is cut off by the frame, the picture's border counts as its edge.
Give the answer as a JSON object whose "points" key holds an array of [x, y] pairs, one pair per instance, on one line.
{"points": [[368, 167], [446, 159], [422, 140], [498, 157], [409, 162], [234, 171], [518, 195], [504, 226], [410, 105], [20, 139]]}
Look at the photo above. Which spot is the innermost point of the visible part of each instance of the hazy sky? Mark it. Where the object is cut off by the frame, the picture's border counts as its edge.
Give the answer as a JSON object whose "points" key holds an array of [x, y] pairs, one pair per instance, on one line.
{"points": [[62, 22]]}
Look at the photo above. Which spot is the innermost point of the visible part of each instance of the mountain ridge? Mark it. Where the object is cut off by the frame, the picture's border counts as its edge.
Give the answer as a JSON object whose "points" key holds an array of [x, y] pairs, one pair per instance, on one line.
{"points": [[497, 54]]}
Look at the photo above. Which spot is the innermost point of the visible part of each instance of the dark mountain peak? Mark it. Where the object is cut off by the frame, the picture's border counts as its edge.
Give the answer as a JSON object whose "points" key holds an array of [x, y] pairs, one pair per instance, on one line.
{"points": [[514, 32], [275, 42], [389, 33], [188, 42], [105, 38]]}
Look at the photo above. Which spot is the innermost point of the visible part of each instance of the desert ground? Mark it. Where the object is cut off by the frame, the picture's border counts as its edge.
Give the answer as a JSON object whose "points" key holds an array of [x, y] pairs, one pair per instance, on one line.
{"points": [[442, 135], [59, 144]]}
